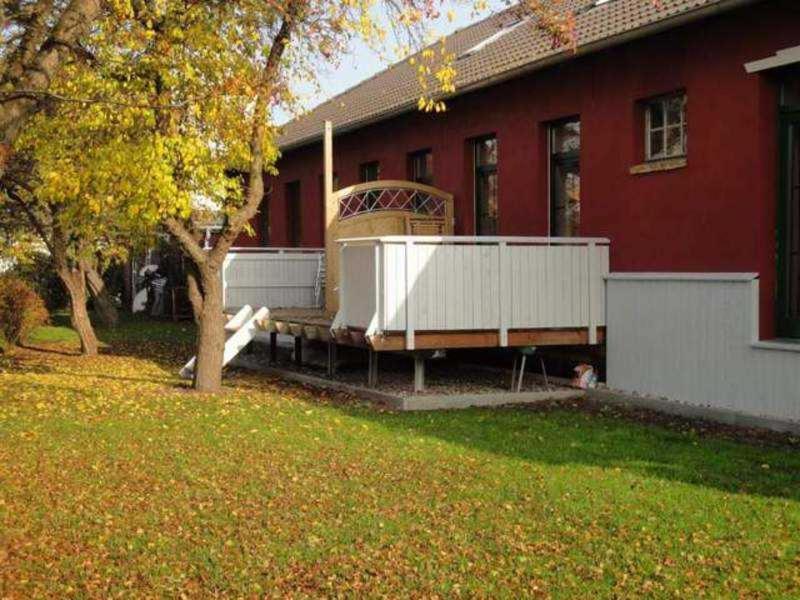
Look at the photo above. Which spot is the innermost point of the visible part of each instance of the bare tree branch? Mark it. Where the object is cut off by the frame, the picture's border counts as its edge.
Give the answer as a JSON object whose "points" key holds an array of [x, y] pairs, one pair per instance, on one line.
{"points": [[187, 240], [34, 220], [255, 184], [38, 70]]}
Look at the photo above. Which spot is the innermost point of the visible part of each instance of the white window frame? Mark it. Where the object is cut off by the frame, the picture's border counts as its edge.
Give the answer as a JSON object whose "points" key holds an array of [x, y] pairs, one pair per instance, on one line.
{"points": [[662, 101]]}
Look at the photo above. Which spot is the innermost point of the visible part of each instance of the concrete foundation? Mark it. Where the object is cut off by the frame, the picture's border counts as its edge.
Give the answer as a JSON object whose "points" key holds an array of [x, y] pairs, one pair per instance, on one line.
{"points": [[689, 411]]}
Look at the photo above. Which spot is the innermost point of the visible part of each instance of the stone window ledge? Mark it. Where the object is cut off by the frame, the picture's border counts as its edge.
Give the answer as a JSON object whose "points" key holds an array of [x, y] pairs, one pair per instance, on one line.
{"points": [[658, 166]]}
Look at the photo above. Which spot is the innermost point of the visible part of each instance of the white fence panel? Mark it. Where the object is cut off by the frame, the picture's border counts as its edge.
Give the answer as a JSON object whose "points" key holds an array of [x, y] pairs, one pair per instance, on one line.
{"points": [[474, 283], [394, 299], [357, 285], [693, 339], [270, 277]]}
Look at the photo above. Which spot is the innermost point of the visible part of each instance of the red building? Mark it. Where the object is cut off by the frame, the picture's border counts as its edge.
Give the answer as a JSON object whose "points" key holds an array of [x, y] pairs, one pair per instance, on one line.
{"points": [[653, 134]]}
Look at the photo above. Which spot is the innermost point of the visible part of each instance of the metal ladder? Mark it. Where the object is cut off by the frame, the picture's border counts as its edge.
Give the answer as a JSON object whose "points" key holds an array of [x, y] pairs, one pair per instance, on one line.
{"points": [[319, 282]]}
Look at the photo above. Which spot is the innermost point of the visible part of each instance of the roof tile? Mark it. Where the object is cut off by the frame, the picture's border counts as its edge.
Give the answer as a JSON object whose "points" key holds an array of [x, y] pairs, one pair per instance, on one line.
{"points": [[397, 89]]}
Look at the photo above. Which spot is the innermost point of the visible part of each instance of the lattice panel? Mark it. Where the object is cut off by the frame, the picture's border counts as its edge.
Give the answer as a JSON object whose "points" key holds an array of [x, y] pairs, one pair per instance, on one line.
{"points": [[375, 200]]}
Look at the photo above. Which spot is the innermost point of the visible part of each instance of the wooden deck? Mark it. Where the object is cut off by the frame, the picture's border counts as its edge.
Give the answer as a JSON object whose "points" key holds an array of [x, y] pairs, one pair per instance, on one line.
{"points": [[315, 324], [305, 323], [433, 340]]}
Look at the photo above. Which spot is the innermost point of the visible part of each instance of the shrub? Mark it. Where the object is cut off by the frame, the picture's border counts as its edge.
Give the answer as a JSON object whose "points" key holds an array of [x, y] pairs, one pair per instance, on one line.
{"points": [[39, 273], [21, 310]]}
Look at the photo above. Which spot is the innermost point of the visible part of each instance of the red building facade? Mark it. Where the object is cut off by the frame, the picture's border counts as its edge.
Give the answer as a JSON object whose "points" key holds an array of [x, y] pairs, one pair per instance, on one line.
{"points": [[713, 210]]}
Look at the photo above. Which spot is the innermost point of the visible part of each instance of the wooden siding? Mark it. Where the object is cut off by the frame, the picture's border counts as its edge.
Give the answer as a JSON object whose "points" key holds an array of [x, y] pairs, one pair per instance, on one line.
{"points": [[692, 338], [272, 278], [717, 213]]}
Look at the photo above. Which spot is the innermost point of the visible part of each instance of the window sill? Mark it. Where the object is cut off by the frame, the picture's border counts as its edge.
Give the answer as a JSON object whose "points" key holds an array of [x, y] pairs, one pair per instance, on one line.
{"points": [[658, 166], [780, 345]]}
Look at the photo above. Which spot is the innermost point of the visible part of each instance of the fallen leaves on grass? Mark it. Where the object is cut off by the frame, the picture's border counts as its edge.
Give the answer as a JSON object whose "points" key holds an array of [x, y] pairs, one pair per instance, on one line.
{"points": [[115, 480]]}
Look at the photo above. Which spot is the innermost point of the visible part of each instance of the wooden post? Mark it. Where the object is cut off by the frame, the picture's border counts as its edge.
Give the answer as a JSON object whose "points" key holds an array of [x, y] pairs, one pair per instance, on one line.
{"points": [[419, 373], [378, 290], [372, 373], [332, 347], [408, 298], [273, 347], [521, 373], [592, 325], [504, 288], [298, 350], [331, 221], [340, 283]]}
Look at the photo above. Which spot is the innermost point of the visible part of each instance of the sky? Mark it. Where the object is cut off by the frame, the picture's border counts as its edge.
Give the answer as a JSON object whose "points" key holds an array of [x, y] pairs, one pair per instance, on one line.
{"points": [[361, 63]]}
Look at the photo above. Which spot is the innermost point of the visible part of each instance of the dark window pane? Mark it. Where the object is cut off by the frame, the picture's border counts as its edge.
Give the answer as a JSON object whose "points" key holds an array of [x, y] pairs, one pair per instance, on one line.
{"points": [[421, 164], [675, 110], [666, 127], [790, 91], [487, 204], [293, 214], [656, 115], [566, 212], [656, 143], [566, 137], [486, 152], [675, 141], [565, 192], [370, 171], [486, 195], [793, 216], [429, 167]]}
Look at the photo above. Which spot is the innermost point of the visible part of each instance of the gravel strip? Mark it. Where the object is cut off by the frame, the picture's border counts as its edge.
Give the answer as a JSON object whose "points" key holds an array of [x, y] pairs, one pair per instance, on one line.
{"points": [[396, 372]]}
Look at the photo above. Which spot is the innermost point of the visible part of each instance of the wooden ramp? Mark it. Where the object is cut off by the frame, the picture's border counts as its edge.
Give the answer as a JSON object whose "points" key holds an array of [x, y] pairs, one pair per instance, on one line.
{"points": [[242, 328]]}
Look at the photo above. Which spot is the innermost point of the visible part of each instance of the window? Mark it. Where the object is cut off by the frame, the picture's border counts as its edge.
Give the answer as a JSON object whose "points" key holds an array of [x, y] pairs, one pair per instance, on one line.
{"points": [[369, 171], [486, 196], [294, 214], [790, 91], [788, 300], [665, 127], [420, 167], [565, 178]]}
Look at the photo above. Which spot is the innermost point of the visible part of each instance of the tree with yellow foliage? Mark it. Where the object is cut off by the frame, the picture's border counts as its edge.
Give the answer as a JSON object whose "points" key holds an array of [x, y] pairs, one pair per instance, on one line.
{"points": [[38, 38], [172, 115]]}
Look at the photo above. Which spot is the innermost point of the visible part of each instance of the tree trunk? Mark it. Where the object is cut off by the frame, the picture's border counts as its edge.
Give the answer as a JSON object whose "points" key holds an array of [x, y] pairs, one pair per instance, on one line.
{"points": [[194, 292], [210, 334], [210, 328], [103, 303], [74, 281]]}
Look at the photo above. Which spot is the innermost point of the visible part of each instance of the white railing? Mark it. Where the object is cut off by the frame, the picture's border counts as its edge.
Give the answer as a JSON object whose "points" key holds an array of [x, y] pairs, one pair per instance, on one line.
{"points": [[271, 277], [459, 283]]}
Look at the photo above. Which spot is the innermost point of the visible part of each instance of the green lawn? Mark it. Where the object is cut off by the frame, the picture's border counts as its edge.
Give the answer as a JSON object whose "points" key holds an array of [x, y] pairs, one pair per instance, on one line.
{"points": [[115, 480]]}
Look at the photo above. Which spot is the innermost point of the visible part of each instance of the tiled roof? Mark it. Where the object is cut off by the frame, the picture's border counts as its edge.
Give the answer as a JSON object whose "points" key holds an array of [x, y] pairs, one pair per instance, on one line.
{"points": [[522, 48]]}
